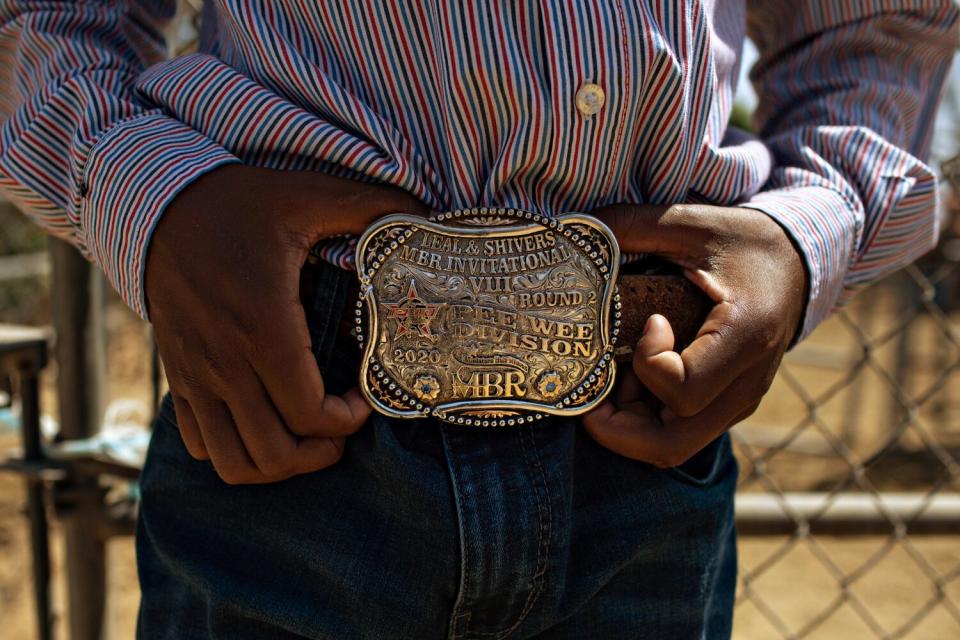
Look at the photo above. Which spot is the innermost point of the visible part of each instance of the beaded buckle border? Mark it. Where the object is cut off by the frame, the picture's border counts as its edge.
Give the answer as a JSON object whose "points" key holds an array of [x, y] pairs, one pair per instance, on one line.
{"points": [[487, 317]]}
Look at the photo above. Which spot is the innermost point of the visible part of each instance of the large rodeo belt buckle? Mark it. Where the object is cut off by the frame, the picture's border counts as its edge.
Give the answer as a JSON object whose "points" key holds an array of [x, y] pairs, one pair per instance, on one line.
{"points": [[487, 317]]}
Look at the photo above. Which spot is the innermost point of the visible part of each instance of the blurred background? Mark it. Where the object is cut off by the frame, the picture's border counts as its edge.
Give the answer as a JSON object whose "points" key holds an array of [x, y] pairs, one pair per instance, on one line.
{"points": [[849, 503]]}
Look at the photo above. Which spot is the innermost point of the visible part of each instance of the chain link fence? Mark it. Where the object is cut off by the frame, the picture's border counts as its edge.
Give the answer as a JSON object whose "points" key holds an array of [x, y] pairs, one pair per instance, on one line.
{"points": [[848, 502]]}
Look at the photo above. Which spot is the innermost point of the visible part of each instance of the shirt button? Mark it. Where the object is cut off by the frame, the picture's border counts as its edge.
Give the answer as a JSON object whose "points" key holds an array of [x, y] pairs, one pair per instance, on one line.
{"points": [[590, 99]]}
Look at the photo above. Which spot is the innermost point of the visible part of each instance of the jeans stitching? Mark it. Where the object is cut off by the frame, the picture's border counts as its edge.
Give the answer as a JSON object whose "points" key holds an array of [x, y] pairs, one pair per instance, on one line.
{"points": [[545, 530], [457, 616], [543, 536]]}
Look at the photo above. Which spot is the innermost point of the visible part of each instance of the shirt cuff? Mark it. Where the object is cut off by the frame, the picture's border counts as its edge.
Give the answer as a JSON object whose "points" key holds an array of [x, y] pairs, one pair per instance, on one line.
{"points": [[824, 227], [133, 172]]}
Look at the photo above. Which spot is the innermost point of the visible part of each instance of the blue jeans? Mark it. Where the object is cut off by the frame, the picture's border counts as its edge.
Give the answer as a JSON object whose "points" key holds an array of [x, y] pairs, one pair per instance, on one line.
{"points": [[425, 530]]}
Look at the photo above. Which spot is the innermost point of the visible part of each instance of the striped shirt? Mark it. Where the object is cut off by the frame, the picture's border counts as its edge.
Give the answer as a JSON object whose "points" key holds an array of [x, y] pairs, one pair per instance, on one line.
{"points": [[476, 104]]}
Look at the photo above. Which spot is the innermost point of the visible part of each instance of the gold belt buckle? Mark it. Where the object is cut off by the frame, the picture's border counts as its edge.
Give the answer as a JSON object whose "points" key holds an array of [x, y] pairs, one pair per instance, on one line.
{"points": [[487, 317]]}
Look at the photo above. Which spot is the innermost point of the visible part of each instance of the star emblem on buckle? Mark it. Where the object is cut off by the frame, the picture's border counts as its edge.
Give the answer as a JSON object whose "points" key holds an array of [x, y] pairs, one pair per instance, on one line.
{"points": [[413, 314]]}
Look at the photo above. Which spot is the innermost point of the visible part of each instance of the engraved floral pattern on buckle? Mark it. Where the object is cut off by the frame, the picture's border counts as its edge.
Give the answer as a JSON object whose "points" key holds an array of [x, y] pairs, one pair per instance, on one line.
{"points": [[487, 317]]}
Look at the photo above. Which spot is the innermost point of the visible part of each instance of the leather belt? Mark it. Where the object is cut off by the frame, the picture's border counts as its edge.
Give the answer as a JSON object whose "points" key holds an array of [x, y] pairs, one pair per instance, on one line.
{"points": [[641, 295]]}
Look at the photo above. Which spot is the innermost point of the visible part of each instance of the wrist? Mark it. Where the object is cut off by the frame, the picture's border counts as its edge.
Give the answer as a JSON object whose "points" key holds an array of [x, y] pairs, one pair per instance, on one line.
{"points": [[795, 274]]}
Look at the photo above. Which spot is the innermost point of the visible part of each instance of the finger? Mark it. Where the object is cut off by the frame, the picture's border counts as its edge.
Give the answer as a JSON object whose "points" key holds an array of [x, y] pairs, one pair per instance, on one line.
{"points": [[624, 430], [314, 454], [290, 374], [227, 451], [360, 211], [265, 437], [189, 429], [358, 204], [688, 435], [671, 231], [743, 415], [276, 452], [688, 381], [672, 440], [628, 387]]}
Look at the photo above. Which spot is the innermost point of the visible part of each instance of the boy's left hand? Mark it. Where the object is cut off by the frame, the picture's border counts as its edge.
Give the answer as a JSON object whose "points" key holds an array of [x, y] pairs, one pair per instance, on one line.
{"points": [[751, 270]]}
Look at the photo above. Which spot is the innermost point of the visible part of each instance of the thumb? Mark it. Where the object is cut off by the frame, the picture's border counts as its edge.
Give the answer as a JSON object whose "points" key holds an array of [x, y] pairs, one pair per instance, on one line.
{"points": [[655, 362]]}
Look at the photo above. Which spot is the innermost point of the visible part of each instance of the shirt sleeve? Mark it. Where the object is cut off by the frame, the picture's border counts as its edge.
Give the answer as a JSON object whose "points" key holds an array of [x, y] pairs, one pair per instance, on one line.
{"points": [[848, 96], [79, 152]]}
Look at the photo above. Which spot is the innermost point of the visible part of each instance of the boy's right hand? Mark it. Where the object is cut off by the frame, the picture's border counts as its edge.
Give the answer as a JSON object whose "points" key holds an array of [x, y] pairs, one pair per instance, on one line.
{"points": [[222, 286]]}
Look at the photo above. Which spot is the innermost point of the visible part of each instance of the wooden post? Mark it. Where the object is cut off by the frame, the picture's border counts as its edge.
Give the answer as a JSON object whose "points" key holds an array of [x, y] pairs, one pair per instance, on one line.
{"points": [[77, 293]]}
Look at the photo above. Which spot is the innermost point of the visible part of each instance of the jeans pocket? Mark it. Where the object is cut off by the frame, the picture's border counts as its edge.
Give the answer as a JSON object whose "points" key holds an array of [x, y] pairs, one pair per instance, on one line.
{"points": [[166, 413], [324, 290], [707, 465]]}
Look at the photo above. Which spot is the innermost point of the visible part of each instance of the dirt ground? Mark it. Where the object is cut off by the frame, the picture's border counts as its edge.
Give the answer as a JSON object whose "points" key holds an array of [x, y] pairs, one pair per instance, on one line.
{"points": [[798, 586]]}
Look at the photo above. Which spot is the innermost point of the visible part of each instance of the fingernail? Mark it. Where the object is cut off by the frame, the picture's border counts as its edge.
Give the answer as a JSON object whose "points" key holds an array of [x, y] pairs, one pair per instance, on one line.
{"points": [[646, 327]]}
